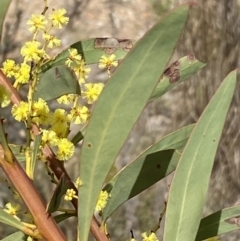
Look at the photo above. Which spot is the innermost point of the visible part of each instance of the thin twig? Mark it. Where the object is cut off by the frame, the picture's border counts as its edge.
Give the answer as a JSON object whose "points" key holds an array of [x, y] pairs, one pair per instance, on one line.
{"points": [[160, 218]]}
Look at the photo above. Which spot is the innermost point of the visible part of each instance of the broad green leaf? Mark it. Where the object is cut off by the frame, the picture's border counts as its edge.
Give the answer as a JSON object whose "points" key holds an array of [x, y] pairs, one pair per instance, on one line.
{"points": [[148, 168], [61, 217], [92, 50], [191, 178], [120, 105], [59, 191], [3, 10], [113, 171], [187, 67], [10, 220], [56, 82], [176, 73], [18, 236], [221, 222]]}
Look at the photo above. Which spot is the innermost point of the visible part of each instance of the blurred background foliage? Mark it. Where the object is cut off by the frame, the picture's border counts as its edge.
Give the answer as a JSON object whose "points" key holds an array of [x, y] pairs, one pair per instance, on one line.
{"points": [[212, 34]]}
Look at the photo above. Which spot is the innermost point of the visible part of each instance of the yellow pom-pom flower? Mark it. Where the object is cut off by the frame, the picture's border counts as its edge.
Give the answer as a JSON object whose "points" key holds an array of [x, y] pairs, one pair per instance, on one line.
{"points": [[65, 149], [49, 136], [91, 92], [102, 201], [51, 40], [58, 18], [106, 62], [60, 123], [4, 96], [36, 22], [31, 52], [78, 182], [61, 129], [81, 71], [40, 112], [12, 209], [66, 99], [73, 56], [20, 113], [149, 237], [70, 194], [79, 115], [23, 74], [59, 116], [10, 68]]}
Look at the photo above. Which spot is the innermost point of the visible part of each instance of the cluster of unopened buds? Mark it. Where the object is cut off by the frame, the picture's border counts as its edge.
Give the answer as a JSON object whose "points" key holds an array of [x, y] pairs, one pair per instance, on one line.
{"points": [[102, 200]]}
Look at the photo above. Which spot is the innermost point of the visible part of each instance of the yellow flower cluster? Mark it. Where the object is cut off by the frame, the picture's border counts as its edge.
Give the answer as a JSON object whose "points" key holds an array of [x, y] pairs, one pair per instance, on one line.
{"points": [[149, 237], [34, 51], [106, 62], [12, 209], [54, 125], [78, 65], [102, 201], [58, 123], [78, 182], [70, 194], [21, 72], [91, 92], [79, 114], [21, 112], [4, 96], [31, 51]]}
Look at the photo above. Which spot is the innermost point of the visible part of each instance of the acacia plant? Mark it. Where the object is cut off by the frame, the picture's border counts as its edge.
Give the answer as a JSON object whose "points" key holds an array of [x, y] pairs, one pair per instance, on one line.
{"points": [[143, 75]]}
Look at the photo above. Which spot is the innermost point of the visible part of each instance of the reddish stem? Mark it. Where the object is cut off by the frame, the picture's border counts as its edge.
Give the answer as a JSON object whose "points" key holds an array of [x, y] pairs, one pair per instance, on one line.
{"points": [[45, 223], [55, 165]]}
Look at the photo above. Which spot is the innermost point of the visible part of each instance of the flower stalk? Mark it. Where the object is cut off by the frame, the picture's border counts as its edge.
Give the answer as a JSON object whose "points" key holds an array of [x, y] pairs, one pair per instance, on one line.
{"points": [[56, 166]]}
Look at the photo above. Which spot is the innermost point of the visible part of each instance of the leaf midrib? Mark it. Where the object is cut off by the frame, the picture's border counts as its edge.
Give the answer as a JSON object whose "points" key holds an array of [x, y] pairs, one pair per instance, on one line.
{"points": [[189, 173]]}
